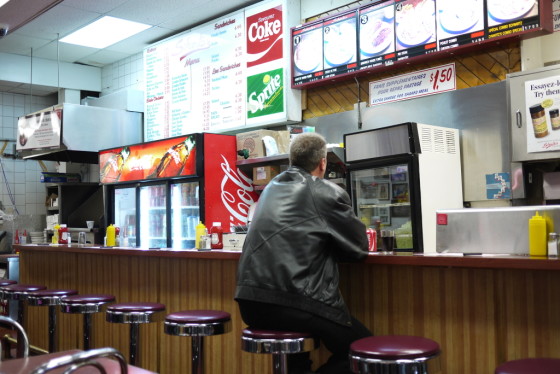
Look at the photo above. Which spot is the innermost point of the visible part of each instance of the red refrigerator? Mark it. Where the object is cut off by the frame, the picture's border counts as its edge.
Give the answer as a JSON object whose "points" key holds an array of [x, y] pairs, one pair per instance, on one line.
{"points": [[157, 192]]}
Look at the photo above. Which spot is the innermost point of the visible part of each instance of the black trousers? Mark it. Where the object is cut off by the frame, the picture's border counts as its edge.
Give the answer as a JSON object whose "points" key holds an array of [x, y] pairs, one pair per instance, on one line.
{"points": [[334, 336]]}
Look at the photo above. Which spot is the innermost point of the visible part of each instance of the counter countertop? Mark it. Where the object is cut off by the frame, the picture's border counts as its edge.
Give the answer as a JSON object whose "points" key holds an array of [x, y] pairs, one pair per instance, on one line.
{"points": [[487, 261]]}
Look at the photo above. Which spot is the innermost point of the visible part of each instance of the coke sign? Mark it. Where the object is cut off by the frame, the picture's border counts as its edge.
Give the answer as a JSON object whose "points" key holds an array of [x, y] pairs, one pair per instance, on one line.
{"points": [[265, 36], [228, 192]]}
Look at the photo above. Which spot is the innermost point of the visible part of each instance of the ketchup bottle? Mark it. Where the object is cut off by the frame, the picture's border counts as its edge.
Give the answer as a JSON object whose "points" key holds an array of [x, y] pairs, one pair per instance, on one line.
{"points": [[63, 234], [216, 234]]}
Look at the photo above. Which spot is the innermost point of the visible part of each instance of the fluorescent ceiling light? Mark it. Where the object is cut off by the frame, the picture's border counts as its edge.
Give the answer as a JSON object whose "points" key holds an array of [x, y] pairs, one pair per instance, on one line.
{"points": [[2, 2], [104, 32]]}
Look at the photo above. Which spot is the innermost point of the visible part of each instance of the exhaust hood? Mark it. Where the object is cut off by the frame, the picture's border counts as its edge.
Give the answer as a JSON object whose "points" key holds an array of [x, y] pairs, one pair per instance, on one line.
{"points": [[76, 133]]}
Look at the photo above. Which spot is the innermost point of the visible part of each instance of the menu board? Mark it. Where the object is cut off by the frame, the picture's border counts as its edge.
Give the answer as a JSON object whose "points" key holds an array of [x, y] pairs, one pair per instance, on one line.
{"points": [[307, 53], [415, 28], [377, 35], [195, 81], [340, 45], [506, 17], [459, 22], [394, 30]]}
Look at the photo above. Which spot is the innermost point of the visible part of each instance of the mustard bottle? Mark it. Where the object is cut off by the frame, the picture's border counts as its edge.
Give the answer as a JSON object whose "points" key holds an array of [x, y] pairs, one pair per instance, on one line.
{"points": [[54, 239], [537, 235], [200, 230], [111, 236]]}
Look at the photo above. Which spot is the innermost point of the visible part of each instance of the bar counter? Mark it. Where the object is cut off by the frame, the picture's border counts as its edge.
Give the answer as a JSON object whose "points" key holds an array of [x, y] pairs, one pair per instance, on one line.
{"points": [[482, 309]]}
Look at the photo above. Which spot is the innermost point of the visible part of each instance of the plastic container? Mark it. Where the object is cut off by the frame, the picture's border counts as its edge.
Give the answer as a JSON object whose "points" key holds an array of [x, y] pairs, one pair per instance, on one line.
{"points": [[538, 241], [54, 239], [199, 231], [217, 236], [111, 236], [63, 235]]}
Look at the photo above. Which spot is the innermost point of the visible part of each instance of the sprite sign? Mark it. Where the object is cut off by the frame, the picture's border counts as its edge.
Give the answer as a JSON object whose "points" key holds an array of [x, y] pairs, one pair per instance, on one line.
{"points": [[265, 93]]}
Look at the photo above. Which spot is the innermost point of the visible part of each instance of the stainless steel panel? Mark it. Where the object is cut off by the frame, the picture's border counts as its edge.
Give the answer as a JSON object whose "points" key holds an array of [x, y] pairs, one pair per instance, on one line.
{"points": [[87, 128], [492, 230], [480, 113], [517, 113]]}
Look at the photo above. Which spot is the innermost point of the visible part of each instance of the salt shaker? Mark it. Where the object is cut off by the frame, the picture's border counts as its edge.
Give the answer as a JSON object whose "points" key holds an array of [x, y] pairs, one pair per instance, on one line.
{"points": [[553, 244]]}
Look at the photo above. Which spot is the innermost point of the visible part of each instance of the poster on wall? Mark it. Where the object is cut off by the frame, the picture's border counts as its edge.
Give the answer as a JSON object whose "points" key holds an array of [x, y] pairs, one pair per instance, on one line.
{"points": [[542, 98], [40, 130], [267, 52]]}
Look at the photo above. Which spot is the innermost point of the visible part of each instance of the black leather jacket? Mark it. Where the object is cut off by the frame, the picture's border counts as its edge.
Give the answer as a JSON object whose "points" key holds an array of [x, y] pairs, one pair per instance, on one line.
{"points": [[302, 227]]}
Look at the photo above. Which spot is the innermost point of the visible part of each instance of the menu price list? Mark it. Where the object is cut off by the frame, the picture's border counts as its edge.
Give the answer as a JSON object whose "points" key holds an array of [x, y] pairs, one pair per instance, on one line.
{"points": [[395, 30], [208, 59]]}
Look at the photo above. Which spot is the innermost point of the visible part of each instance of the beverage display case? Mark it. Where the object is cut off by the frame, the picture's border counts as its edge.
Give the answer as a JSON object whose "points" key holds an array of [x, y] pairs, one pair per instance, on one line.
{"points": [[157, 192], [398, 176]]}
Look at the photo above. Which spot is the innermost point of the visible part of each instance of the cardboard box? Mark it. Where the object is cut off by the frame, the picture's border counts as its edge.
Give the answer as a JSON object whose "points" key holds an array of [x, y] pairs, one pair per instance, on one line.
{"points": [[252, 141], [263, 174]]}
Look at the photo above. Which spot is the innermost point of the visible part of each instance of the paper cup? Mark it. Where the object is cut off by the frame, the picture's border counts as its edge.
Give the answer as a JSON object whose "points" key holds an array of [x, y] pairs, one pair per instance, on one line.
{"points": [[89, 224]]}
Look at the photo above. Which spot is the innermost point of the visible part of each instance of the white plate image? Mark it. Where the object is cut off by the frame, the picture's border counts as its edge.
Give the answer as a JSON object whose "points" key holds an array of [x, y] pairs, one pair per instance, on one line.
{"points": [[307, 54], [375, 37], [416, 25], [507, 10], [460, 16], [340, 44]]}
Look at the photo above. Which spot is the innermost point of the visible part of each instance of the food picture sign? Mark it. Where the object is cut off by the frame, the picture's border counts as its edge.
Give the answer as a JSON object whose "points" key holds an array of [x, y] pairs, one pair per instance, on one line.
{"points": [[377, 35], [543, 103], [415, 28], [459, 22]]}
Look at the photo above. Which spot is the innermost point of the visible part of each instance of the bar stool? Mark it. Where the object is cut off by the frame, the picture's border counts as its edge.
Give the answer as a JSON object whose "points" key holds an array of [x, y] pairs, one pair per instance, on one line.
{"points": [[197, 324], [279, 344], [4, 306], [50, 298], [134, 314], [86, 305], [392, 353], [530, 366], [19, 292]]}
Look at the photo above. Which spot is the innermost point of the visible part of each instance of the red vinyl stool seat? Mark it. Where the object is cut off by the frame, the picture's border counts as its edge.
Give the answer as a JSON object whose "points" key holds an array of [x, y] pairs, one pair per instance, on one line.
{"points": [[392, 353], [134, 314], [85, 305], [279, 344], [4, 305], [19, 293], [530, 366], [50, 298], [197, 324]]}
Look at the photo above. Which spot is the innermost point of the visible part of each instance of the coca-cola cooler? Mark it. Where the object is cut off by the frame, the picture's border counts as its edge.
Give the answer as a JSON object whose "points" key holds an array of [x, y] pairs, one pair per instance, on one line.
{"points": [[157, 192]]}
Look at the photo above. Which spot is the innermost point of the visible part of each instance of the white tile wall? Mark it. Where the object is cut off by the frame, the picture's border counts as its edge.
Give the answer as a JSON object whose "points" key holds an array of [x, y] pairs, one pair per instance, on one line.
{"points": [[126, 73], [21, 189]]}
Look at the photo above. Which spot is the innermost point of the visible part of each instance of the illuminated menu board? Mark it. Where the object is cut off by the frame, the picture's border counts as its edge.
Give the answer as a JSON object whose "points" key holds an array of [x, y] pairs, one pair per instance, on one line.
{"points": [[394, 30], [377, 35]]}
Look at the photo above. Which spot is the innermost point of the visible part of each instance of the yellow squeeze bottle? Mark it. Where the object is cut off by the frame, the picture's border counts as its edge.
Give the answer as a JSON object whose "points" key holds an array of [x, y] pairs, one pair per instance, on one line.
{"points": [[54, 239], [111, 235], [537, 236], [200, 230]]}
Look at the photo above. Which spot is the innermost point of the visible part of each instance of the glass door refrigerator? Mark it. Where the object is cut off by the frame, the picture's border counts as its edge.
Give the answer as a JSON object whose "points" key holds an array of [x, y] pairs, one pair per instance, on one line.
{"points": [[398, 176], [157, 192]]}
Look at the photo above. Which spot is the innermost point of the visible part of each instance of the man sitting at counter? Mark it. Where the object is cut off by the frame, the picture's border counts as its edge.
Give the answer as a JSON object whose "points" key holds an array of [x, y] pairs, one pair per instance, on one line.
{"points": [[288, 273]]}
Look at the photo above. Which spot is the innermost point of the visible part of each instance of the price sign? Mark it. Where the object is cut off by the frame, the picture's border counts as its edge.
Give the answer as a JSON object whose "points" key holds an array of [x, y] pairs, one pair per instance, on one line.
{"points": [[412, 85]]}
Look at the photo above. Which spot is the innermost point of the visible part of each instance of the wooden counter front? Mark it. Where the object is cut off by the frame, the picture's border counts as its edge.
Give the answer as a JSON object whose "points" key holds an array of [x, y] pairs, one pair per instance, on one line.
{"points": [[483, 310]]}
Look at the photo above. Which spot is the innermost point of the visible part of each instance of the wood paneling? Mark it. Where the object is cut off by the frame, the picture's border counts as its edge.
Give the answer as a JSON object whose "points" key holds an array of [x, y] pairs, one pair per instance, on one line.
{"points": [[480, 316]]}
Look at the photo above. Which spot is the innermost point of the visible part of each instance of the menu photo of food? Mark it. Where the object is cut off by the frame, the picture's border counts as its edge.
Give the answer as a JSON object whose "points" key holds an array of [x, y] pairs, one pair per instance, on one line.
{"points": [[377, 31], [504, 11], [308, 51], [415, 23], [459, 17], [339, 42]]}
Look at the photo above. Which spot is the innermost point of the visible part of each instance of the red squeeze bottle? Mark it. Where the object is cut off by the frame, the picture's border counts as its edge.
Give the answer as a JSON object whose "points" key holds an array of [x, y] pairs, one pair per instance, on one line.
{"points": [[216, 235]]}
